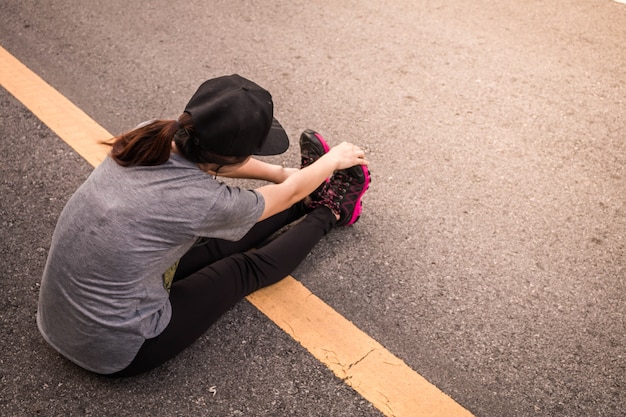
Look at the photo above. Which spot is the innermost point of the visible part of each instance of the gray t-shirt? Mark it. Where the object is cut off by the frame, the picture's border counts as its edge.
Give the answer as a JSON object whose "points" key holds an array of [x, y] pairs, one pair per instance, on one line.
{"points": [[103, 292]]}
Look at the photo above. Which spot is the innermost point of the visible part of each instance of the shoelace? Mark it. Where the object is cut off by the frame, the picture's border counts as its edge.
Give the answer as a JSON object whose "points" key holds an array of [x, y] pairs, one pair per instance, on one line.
{"points": [[332, 194]]}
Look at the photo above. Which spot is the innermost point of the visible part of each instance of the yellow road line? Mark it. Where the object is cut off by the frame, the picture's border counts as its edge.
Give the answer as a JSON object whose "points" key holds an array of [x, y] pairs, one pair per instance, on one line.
{"points": [[360, 361], [65, 119]]}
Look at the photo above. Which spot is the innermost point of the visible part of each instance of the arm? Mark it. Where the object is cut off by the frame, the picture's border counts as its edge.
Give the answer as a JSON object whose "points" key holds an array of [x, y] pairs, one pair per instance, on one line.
{"points": [[258, 170], [279, 197]]}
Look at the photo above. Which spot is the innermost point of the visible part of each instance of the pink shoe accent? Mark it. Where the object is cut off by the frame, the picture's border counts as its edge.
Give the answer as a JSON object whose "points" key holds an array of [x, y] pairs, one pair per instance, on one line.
{"points": [[323, 142]]}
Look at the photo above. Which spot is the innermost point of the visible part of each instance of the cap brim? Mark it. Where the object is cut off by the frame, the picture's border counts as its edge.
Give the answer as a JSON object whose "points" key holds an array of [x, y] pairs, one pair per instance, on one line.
{"points": [[277, 141]]}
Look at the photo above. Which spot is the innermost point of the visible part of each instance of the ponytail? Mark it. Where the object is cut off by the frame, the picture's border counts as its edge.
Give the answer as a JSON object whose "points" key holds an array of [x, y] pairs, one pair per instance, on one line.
{"points": [[145, 146], [151, 145]]}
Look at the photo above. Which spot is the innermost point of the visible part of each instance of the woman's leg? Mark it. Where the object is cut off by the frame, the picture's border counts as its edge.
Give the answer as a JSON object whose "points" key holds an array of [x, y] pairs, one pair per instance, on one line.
{"points": [[201, 298], [212, 250]]}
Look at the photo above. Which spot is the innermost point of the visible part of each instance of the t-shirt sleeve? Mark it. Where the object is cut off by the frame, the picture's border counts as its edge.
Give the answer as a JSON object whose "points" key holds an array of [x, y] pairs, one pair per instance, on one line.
{"points": [[234, 213]]}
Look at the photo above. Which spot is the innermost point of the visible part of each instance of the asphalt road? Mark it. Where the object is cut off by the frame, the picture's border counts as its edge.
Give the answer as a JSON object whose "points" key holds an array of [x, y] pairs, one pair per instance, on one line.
{"points": [[490, 255]]}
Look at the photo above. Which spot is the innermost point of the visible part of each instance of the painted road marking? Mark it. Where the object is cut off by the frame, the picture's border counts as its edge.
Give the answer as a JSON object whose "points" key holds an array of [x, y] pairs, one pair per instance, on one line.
{"points": [[360, 361], [65, 119]]}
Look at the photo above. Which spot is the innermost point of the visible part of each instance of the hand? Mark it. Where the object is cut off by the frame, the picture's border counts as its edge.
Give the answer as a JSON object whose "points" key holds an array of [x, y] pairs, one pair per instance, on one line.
{"points": [[347, 155]]}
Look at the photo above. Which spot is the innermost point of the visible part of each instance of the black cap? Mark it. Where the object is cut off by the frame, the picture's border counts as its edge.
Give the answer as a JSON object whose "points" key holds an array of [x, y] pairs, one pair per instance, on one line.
{"points": [[233, 116]]}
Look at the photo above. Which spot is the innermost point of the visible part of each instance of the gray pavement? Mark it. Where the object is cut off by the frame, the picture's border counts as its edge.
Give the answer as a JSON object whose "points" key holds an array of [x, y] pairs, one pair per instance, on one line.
{"points": [[490, 256]]}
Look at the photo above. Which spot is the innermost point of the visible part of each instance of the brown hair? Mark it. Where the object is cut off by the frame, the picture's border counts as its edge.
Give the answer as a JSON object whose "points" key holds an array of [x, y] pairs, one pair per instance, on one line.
{"points": [[151, 144]]}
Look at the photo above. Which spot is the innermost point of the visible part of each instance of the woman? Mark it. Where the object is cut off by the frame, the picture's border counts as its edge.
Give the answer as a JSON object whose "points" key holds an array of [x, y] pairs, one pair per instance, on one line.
{"points": [[151, 250]]}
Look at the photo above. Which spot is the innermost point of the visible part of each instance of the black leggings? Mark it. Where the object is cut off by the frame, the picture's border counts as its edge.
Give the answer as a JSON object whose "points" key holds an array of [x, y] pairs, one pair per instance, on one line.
{"points": [[214, 276]]}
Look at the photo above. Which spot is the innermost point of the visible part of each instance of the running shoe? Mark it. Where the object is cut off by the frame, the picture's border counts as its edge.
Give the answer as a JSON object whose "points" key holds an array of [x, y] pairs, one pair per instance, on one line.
{"points": [[357, 180], [343, 194], [312, 147]]}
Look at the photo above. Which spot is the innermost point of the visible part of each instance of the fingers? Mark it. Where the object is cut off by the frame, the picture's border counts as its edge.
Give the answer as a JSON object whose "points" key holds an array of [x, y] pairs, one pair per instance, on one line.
{"points": [[350, 155], [359, 155]]}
